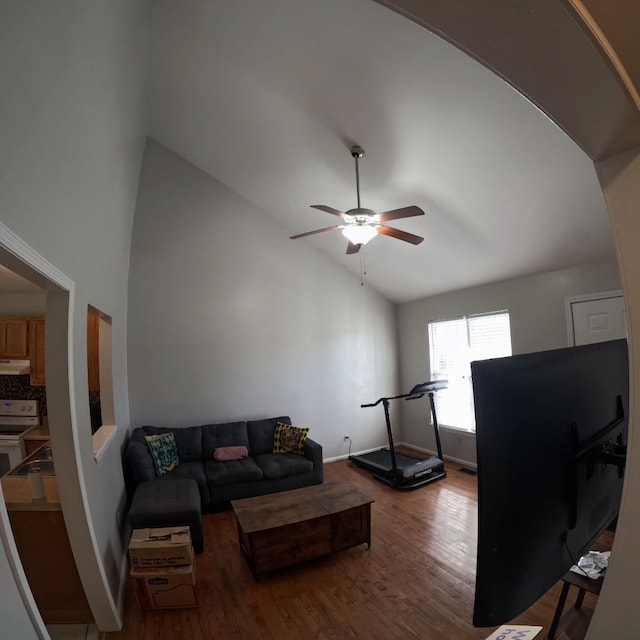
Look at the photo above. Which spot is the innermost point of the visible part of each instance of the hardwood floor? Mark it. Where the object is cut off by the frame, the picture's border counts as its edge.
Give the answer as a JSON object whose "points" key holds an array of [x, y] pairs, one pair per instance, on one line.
{"points": [[416, 581]]}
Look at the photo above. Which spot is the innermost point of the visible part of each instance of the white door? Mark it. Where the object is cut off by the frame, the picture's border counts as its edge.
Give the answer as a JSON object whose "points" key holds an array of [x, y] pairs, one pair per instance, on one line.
{"points": [[596, 319]]}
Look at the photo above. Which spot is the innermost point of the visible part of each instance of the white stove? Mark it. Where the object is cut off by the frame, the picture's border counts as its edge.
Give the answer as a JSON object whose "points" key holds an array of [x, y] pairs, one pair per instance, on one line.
{"points": [[16, 417]]}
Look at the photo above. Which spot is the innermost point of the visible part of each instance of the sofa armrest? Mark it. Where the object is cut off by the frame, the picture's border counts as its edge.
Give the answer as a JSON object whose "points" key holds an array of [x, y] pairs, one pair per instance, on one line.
{"points": [[313, 451], [139, 462]]}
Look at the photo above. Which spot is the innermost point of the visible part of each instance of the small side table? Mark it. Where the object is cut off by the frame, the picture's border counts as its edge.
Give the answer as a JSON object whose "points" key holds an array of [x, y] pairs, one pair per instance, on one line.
{"points": [[584, 585]]}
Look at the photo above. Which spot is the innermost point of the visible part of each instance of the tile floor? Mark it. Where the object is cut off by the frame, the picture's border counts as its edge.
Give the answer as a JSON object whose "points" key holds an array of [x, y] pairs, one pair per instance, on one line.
{"points": [[73, 631]]}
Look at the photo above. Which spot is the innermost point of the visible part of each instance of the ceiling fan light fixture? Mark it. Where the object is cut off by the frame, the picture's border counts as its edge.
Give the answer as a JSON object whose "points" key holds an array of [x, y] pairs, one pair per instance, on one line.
{"points": [[359, 233]]}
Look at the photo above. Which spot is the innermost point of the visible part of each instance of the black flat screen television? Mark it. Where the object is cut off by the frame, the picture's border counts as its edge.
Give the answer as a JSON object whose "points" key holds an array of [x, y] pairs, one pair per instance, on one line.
{"points": [[551, 432]]}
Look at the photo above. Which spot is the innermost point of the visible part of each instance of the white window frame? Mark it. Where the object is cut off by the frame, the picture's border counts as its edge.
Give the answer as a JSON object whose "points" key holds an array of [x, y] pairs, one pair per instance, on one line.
{"points": [[461, 384]]}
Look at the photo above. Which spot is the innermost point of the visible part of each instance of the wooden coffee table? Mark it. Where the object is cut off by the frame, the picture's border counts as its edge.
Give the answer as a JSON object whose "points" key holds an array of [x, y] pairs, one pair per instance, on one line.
{"points": [[282, 529]]}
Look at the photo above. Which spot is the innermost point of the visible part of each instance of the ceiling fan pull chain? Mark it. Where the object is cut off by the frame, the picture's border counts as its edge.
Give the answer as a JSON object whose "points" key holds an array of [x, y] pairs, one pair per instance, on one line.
{"points": [[363, 266]]}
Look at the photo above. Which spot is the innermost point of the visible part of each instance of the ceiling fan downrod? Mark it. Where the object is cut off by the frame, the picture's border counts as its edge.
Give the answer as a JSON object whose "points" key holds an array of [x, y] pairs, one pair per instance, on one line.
{"points": [[357, 153]]}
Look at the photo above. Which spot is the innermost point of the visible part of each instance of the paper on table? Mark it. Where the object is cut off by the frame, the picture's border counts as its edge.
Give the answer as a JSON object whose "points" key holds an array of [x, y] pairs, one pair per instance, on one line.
{"points": [[515, 632], [593, 564]]}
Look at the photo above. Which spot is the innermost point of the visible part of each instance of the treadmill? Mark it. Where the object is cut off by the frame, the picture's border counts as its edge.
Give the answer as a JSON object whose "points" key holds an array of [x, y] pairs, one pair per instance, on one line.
{"points": [[399, 470]]}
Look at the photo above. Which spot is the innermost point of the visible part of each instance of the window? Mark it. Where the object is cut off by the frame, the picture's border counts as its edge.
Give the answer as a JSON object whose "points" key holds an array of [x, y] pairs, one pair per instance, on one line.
{"points": [[453, 346], [100, 378]]}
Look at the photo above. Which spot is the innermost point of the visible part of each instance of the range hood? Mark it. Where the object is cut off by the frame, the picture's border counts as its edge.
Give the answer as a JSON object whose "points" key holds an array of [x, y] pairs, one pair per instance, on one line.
{"points": [[14, 367]]}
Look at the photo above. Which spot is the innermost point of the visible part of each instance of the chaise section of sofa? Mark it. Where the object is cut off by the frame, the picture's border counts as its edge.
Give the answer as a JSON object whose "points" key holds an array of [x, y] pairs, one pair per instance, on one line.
{"points": [[261, 472]]}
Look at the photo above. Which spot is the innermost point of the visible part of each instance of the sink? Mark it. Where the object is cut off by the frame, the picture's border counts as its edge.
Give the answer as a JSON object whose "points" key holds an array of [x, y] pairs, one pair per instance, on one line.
{"points": [[44, 464], [44, 454]]}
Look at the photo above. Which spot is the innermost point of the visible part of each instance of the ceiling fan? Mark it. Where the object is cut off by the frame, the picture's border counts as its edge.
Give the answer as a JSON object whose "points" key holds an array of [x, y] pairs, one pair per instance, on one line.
{"points": [[361, 225]]}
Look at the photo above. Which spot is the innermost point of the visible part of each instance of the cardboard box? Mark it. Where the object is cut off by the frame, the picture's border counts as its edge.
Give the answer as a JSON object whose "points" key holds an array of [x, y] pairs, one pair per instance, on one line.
{"points": [[169, 546], [168, 588]]}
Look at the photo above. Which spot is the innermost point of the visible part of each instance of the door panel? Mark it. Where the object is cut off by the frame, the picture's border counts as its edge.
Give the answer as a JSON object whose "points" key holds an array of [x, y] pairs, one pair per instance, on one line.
{"points": [[598, 320]]}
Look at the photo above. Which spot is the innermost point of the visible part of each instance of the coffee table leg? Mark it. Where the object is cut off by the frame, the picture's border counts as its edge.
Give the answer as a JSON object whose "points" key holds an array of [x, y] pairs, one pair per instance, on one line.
{"points": [[246, 552], [368, 516]]}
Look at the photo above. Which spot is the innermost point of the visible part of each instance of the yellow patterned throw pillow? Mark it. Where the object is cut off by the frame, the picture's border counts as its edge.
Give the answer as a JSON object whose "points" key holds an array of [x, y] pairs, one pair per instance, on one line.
{"points": [[288, 439]]}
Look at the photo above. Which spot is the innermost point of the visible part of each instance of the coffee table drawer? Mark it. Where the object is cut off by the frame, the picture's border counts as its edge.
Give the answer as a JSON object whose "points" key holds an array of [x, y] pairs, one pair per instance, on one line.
{"points": [[291, 544]]}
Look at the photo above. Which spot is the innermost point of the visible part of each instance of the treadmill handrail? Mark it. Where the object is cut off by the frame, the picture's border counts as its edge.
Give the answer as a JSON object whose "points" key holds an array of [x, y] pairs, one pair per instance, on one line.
{"points": [[417, 392]]}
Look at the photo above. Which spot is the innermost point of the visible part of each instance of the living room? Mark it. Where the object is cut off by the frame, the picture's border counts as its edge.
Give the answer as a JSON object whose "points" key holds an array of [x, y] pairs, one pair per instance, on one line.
{"points": [[291, 327]]}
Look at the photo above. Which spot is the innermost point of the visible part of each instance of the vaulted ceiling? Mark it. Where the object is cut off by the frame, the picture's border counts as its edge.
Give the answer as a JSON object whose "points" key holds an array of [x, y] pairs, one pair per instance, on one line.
{"points": [[268, 97]]}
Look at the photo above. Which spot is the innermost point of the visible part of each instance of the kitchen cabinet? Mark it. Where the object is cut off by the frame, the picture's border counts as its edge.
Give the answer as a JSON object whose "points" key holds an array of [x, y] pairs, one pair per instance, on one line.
{"points": [[36, 351], [31, 445], [46, 557], [45, 553], [14, 338], [93, 350]]}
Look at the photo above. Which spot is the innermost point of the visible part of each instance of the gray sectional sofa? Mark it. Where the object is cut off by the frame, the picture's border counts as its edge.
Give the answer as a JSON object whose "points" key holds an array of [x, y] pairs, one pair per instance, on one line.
{"points": [[219, 482]]}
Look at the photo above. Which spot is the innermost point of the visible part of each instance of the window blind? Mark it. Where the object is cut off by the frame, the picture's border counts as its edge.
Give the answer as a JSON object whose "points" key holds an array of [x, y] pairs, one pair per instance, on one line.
{"points": [[453, 346]]}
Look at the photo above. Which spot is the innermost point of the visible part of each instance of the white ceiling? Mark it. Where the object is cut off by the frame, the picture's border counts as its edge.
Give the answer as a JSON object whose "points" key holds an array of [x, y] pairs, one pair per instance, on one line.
{"points": [[268, 97]]}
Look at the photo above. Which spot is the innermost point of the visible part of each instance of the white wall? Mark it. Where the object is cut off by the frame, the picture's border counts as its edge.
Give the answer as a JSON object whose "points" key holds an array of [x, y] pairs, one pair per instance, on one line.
{"points": [[617, 614], [229, 319], [538, 323], [72, 126]]}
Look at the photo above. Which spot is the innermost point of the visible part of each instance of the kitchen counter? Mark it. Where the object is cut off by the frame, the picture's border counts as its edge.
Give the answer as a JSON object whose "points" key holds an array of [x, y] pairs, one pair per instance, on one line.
{"points": [[39, 432], [43, 544], [17, 494]]}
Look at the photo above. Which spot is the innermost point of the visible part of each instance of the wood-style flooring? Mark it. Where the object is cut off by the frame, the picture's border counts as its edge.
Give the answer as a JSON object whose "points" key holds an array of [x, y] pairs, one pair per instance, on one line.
{"points": [[416, 581]]}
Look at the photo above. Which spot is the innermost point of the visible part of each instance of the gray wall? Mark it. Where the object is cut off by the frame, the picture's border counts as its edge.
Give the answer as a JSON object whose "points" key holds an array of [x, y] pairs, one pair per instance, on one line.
{"points": [[22, 304], [538, 323], [229, 319], [72, 125]]}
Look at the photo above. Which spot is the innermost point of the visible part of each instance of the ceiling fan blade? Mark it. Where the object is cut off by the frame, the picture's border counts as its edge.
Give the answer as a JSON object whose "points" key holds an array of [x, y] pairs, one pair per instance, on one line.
{"points": [[326, 209], [353, 248], [310, 233], [405, 212], [400, 235]]}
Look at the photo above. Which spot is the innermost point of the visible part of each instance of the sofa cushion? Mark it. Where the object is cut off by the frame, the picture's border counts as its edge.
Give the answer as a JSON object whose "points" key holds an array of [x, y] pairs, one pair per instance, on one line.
{"points": [[289, 439], [163, 504], [232, 471], [227, 434], [191, 471], [188, 440], [167, 504], [163, 451], [261, 434], [279, 465]]}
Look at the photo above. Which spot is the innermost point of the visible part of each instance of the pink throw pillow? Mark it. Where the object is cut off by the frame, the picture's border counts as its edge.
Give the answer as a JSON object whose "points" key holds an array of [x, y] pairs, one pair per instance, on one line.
{"points": [[224, 454]]}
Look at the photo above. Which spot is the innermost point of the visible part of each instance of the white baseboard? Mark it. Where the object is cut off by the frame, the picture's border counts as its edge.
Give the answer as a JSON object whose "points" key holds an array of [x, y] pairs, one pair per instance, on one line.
{"points": [[353, 453], [466, 463], [124, 575]]}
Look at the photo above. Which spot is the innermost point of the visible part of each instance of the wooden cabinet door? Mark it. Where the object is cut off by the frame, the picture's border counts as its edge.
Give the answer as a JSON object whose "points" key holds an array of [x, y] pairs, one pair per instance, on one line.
{"points": [[32, 445], [36, 351], [13, 338], [93, 350], [46, 556]]}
